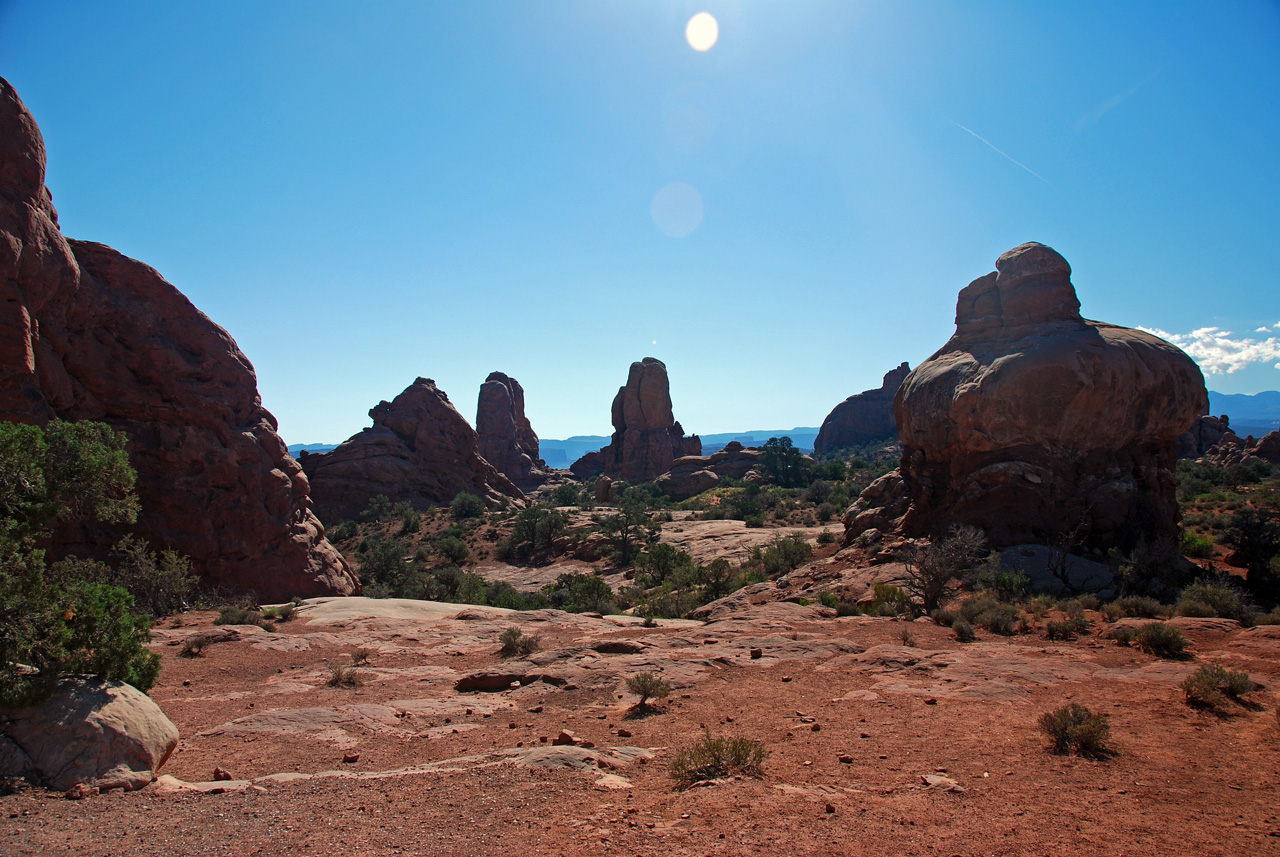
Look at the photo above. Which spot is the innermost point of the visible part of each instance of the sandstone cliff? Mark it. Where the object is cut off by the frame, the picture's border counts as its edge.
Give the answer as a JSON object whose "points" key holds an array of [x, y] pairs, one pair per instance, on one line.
{"points": [[506, 439], [646, 437], [863, 417], [419, 451], [1032, 422], [89, 334]]}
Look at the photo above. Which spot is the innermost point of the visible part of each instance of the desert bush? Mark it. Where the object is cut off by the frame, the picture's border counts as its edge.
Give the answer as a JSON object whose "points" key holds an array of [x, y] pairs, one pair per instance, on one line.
{"points": [[647, 686], [963, 630], [1075, 729], [283, 613], [516, 642], [564, 495], [193, 647], [1196, 546], [379, 507], [360, 657], [889, 600], [580, 593], [410, 518], [1123, 635], [1067, 629], [715, 758], [827, 598], [343, 531], [1209, 597], [826, 537], [1212, 684], [452, 549], [933, 570], [1005, 584], [906, 638], [233, 615], [466, 505], [1040, 605], [1140, 606], [1080, 603], [343, 676], [786, 553], [1161, 639]]}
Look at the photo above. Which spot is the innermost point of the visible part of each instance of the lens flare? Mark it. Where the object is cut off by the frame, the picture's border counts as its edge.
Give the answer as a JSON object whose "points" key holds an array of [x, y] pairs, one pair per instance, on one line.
{"points": [[676, 210], [702, 31]]}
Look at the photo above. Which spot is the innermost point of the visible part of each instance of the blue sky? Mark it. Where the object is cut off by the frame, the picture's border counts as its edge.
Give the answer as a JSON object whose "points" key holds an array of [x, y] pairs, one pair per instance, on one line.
{"points": [[363, 193]]}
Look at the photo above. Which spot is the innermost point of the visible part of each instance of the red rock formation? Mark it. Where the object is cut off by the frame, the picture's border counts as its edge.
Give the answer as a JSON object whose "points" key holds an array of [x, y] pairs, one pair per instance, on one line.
{"points": [[646, 438], [693, 474], [89, 334], [507, 440], [1232, 449], [863, 417], [419, 451], [1032, 422], [1205, 433]]}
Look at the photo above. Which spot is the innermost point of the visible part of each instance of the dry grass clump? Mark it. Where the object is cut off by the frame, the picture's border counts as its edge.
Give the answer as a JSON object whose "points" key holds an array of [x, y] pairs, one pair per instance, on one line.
{"points": [[1161, 639], [516, 642], [716, 758], [343, 676], [1075, 729], [193, 647], [1212, 684], [647, 686]]}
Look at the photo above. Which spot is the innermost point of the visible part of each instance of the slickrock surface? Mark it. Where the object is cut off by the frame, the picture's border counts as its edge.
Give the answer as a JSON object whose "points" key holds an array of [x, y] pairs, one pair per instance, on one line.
{"points": [[1032, 422], [646, 437], [506, 439], [419, 450], [876, 747], [89, 334], [863, 417]]}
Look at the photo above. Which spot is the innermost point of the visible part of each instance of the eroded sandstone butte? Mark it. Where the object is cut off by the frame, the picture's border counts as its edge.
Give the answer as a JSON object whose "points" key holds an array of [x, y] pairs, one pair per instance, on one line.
{"points": [[864, 417], [419, 451], [507, 440], [89, 334], [646, 437], [1033, 423]]}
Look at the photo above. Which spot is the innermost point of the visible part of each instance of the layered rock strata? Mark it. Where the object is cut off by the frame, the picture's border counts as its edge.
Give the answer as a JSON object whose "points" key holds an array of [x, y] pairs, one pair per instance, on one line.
{"points": [[646, 438], [1035, 424], [506, 439], [89, 334], [419, 451], [862, 418]]}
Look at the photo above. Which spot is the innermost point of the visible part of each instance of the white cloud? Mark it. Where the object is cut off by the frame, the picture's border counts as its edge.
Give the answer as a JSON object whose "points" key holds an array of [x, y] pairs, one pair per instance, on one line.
{"points": [[1220, 352], [1263, 330]]}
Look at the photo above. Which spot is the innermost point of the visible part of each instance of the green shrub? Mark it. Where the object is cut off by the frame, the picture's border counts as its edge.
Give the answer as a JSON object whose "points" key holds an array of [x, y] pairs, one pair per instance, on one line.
{"points": [[1214, 598], [516, 642], [1195, 546], [1040, 605], [716, 758], [452, 549], [1123, 634], [410, 518], [1004, 584], [1212, 684], [161, 585], [1075, 729], [564, 495], [379, 507], [466, 505], [889, 600], [906, 638], [828, 599], [647, 686], [1001, 619], [580, 593], [826, 537], [963, 630], [1140, 606], [1161, 639], [1068, 629], [343, 531]]}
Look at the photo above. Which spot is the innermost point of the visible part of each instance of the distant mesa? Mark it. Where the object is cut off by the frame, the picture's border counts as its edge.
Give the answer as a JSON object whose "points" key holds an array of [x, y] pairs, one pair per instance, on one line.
{"points": [[506, 439], [89, 334], [419, 451], [862, 418], [646, 438], [1033, 423]]}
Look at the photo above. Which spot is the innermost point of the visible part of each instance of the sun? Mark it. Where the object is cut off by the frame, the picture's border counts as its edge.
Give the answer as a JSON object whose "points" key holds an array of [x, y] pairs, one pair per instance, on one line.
{"points": [[702, 31]]}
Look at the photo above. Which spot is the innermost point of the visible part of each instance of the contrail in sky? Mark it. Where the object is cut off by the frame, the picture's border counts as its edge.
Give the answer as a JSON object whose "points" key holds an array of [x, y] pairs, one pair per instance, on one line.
{"points": [[1002, 154]]}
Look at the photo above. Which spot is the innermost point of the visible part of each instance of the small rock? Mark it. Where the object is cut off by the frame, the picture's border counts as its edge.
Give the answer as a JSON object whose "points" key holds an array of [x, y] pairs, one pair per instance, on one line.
{"points": [[564, 739], [830, 809], [757, 654], [511, 725], [786, 678], [931, 701], [221, 775], [80, 791], [817, 727], [845, 759], [537, 709], [946, 784], [350, 758], [623, 733], [186, 682]]}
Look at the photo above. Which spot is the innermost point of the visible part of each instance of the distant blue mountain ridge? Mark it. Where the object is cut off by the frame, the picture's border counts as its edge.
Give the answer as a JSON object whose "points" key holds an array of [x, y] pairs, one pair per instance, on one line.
{"points": [[1254, 414]]}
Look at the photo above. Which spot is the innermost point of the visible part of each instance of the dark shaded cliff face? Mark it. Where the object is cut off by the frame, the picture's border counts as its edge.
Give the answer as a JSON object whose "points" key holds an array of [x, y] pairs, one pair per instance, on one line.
{"points": [[507, 440], [419, 451], [646, 438], [89, 334], [1032, 422], [861, 418]]}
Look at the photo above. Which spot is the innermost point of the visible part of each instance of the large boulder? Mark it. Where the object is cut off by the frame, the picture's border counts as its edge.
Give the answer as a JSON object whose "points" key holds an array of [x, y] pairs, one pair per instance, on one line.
{"points": [[862, 418], [419, 451], [1037, 425], [693, 474], [95, 733], [646, 437], [1205, 433], [89, 334], [507, 440]]}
